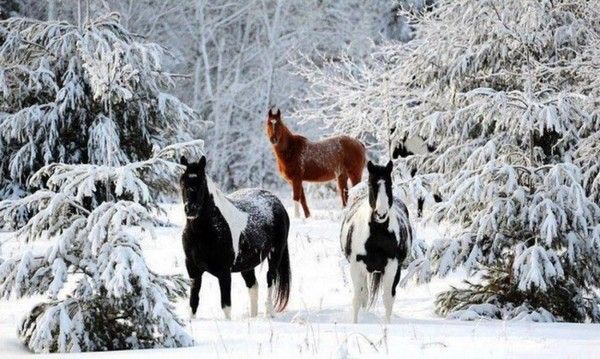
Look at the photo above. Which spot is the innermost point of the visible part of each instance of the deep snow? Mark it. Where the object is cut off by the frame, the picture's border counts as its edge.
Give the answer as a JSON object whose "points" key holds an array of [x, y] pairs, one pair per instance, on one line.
{"points": [[317, 320]]}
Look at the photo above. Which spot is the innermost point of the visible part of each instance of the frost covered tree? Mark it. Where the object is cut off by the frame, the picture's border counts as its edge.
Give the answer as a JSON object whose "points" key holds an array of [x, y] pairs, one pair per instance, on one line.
{"points": [[510, 103], [87, 93], [237, 55], [101, 293]]}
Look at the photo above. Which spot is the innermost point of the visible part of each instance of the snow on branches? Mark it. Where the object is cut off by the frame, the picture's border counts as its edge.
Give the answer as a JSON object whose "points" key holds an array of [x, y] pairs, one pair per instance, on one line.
{"points": [[510, 104], [82, 94], [113, 301]]}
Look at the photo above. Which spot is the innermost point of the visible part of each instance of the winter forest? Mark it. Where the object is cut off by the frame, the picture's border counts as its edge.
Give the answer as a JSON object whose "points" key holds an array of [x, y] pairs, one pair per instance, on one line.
{"points": [[132, 130]]}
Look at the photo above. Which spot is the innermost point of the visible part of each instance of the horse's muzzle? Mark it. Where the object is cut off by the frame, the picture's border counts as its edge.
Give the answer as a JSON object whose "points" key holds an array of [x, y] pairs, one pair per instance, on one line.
{"points": [[380, 217], [190, 210]]}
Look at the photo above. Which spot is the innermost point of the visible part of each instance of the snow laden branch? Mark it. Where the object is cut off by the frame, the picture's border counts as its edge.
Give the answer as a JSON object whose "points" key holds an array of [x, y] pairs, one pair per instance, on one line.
{"points": [[509, 102], [113, 300], [82, 94], [81, 187], [587, 157]]}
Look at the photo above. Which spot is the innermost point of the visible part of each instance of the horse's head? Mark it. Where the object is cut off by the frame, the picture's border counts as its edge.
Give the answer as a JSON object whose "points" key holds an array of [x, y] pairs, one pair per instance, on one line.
{"points": [[194, 186], [275, 126], [380, 190]]}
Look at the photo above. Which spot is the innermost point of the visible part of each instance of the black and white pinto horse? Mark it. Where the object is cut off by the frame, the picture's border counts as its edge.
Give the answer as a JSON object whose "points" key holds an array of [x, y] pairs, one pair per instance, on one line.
{"points": [[234, 233], [375, 238]]}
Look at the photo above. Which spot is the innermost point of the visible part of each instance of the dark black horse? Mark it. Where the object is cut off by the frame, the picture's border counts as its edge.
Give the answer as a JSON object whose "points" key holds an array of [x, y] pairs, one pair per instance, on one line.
{"points": [[234, 233]]}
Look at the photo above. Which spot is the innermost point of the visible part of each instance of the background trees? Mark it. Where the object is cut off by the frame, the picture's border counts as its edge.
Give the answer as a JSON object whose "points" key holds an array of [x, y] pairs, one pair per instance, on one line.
{"points": [[234, 59]]}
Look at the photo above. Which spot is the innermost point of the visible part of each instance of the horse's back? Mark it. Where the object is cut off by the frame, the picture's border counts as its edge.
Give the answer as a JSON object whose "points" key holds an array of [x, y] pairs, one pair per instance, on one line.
{"points": [[334, 156], [262, 206], [268, 221]]}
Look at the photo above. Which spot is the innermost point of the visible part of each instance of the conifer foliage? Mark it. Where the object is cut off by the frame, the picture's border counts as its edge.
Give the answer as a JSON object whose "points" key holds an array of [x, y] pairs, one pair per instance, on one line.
{"points": [[80, 94], [102, 294], [82, 123], [506, 92]]}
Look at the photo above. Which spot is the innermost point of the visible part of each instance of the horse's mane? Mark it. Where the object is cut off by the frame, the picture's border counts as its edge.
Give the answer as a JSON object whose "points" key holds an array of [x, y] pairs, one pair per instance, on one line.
{"points": [[356, 197]]}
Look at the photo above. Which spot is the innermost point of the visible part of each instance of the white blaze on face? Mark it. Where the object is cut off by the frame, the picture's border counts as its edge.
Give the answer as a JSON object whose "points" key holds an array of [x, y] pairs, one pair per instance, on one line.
{"points": [[382, 206]]}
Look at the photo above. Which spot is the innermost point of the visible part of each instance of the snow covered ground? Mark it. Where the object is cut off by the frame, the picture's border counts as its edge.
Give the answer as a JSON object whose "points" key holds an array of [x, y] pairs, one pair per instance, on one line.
{"points": [[317, 320]]}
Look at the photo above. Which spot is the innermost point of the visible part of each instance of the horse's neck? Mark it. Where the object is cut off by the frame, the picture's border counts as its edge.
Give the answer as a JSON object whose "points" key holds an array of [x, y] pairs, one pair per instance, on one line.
{"points": [[221, 202], [290, 146], [235, 218]]}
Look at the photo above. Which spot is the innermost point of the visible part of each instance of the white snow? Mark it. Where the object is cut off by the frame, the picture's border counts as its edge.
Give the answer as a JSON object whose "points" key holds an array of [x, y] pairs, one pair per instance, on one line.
{"points": [[317, 320]]}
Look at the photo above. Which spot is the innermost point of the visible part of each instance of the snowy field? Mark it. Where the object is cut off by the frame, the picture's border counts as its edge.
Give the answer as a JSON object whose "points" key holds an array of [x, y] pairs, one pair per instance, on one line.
{"points": [[317, 320]]}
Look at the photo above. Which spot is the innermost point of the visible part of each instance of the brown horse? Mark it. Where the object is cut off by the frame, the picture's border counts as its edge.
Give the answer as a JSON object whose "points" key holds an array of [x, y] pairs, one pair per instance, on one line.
{"points": [[339, 157]]}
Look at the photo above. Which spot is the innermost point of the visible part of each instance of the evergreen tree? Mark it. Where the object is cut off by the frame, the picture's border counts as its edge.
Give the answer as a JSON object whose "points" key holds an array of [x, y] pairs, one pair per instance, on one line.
{"points": [[113, 300], [509, 101], [81, 94], [81, 123]]}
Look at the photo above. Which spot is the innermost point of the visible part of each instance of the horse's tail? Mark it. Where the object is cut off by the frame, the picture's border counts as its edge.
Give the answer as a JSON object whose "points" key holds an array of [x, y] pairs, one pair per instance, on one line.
{"points": [[375, 284], [282, 276]]}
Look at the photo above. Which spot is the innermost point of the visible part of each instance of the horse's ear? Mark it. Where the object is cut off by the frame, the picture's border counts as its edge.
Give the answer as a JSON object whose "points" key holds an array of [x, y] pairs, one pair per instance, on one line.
{"points": [[274, 111], [389, 167], [202, 162], [370, 166], [183, 161]]}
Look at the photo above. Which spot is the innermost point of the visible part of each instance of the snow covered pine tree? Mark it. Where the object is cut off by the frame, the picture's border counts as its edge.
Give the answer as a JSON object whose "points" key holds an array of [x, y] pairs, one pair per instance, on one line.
{"points": [[80, 94], [510, 103], [112, 300], [524, 102], [89, 96]]}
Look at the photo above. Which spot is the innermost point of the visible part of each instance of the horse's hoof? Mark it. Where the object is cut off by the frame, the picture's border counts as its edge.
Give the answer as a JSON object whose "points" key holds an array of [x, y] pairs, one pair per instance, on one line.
{"points": [[227, 311], [192, 314]]}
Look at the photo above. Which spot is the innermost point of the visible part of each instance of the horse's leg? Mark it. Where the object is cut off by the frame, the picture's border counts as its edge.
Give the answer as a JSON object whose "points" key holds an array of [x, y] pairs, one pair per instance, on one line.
{"points": [[355, 176], [391, 278], [195, 295], [196, 276], [270, 282], [360, 289], [343, 188], [225, 285], [303, 201], [299, 196], [252, 286]]}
